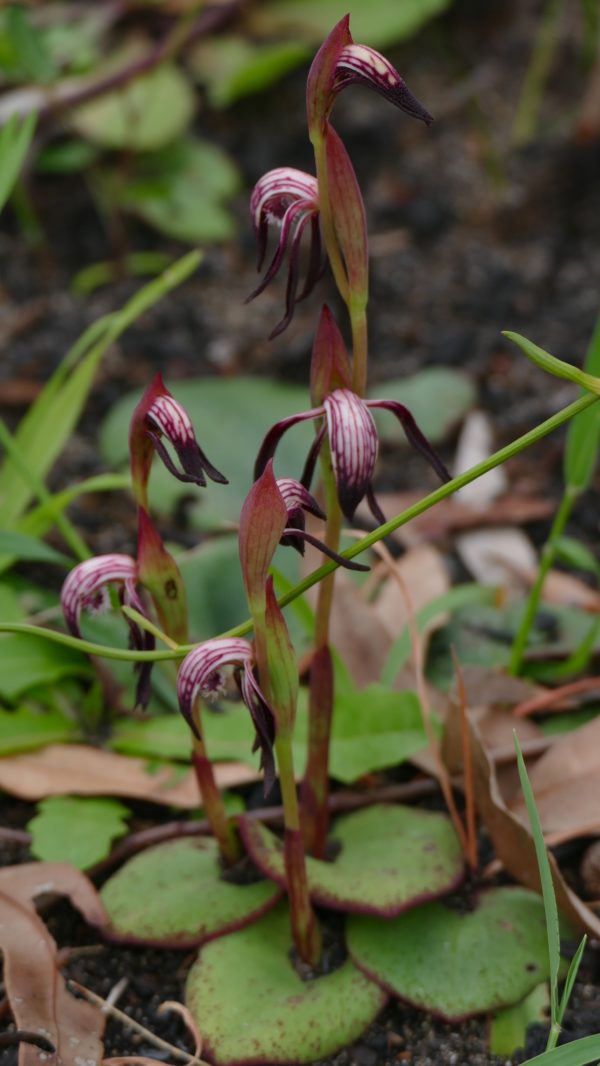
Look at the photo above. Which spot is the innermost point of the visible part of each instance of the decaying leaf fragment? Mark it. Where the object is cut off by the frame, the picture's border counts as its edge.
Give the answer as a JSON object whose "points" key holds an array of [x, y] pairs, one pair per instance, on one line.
{"points": [[512, 841], [38, 995]]}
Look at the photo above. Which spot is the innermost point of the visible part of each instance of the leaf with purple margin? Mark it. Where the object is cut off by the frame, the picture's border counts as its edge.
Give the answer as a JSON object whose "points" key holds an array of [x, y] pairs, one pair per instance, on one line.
{"points": [[456, 965], [391, 858], [174, 895], [252, 1006]]}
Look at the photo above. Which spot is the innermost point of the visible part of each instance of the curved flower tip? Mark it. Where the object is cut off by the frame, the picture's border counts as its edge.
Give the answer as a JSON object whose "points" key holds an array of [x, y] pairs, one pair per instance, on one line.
{"points": [[340, 62], [297, 500], [288, 199], [201, 674], [159, 415], [86, 589]]}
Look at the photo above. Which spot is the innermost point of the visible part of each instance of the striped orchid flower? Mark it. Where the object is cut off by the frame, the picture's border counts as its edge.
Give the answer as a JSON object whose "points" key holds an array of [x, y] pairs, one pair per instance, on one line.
{"points": [[287, 199], [297, 500], [339, 63], [201, 674], [353, 441], [159, 417], [86, 589]]}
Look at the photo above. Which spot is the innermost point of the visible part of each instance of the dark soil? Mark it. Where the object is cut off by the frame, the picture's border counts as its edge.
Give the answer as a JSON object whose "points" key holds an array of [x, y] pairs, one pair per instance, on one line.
{"points": [[468, 238]]}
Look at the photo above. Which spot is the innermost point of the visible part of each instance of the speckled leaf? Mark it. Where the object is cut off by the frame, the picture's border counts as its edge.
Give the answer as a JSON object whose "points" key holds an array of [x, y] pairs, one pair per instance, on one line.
{"points": [[174, 895], [391, 858], [453, 964], [252, 1006], [76, 829]]}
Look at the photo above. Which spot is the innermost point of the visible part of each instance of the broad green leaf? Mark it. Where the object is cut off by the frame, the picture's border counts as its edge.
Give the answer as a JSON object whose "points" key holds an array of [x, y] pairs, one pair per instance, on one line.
{"points": [[76, 829], [377, 23], [457, 964], [269, 1013], [391, 858], [231, 417], [43, 432], [182, 192], [24, 546], [583, 432], [66, 157], [166, 734], [27, 662], [437, 397], [508, 1028], [581, 1052], [29, 45], [232, 67], [147, 113], [26, 729], [372, 729], [174, 895], [15, 137]]}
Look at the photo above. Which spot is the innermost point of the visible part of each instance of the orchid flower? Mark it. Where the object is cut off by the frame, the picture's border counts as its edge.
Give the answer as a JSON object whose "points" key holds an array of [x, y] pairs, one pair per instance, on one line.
{"points": [[339, 63], [288, 199], [159, 415], [201, 674], [86, 589], [354, 445], [297, 500]]}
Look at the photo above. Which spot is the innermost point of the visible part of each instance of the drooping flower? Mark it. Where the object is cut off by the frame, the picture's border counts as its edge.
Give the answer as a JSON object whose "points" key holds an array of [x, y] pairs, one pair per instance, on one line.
{"points": [[339, 63], [288, 199], [201, 674], [354, 445], [159, 415], [86, 589]]}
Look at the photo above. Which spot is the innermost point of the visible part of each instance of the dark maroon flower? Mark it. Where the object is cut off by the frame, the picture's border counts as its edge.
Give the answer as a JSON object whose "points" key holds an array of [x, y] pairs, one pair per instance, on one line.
{"points": [[201, 674], [354, 445], [289, 200], [86, 589]]}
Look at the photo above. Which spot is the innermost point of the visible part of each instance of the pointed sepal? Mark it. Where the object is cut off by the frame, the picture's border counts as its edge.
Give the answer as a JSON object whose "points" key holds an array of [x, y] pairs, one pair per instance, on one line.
{"points": [[330, 364], [262, 522]]}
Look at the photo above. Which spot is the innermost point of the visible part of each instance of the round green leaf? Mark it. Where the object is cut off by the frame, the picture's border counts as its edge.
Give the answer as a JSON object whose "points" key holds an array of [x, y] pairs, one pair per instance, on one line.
{"points": [[76, 829], [148, 113], [391, 858], [455, 964], [174, 895], [253, 1007]]}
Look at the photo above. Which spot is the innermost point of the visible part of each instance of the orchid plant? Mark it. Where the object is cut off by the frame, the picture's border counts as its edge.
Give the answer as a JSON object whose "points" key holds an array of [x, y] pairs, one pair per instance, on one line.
{"points": [[268, 991]]}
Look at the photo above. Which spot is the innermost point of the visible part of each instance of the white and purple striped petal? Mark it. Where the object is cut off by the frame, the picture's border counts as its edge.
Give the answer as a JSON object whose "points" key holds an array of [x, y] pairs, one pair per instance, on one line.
{"points": [[354, 445], [359, 64], [167, 418], [289, 199], [85, 587]]}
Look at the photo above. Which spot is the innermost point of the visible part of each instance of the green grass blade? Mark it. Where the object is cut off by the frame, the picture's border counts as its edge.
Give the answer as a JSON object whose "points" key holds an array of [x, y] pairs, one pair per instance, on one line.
{"points": [[583, 434], [15, 138], [550, 908], [571, 978], [557, 367], [45, 430], [582, 1052]]}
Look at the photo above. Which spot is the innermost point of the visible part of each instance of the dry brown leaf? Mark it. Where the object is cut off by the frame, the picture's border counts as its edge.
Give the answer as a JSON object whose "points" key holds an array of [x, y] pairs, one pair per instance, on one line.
{"points": [[566, 784], [512, 841], [475, 444], [560, 587], [32, 879], [497, 556], [450, 516], [84, 771], [426, 578], [38, 996]]}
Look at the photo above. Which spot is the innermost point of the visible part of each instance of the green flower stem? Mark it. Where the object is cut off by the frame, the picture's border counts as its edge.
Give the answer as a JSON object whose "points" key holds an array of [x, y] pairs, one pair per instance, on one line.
{"points": [[358, 321], [222, 827], [442, 493], [315, 785], [305, 928], [547, 558], [327, 227]]}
